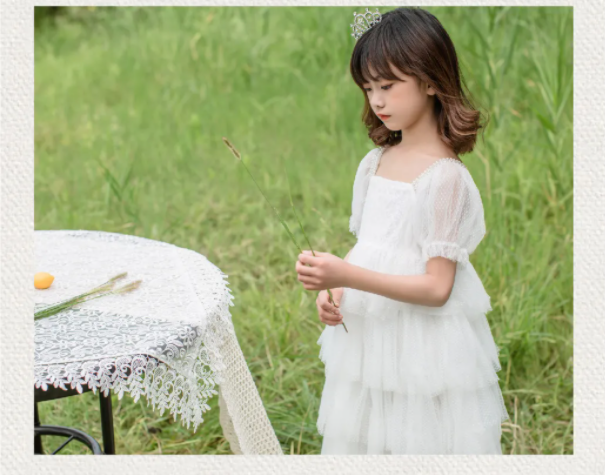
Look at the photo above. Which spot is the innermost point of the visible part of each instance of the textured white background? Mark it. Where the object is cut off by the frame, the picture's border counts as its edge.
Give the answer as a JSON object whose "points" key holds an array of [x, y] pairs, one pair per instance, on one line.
{"points": [[17, 267]]}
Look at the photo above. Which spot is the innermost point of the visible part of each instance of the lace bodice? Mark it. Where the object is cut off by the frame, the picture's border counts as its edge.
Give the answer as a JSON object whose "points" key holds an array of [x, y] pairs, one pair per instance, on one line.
{"points": [[440, 213]]}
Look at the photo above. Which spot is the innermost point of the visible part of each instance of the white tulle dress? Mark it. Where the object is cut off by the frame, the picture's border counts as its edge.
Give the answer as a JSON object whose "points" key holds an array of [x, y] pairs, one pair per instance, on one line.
{"points": [[411, 379]]}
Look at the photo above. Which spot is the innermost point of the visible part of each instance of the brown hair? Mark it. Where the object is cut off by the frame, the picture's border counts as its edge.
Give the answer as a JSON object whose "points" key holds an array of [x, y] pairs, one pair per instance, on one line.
{"points": [[413, 41]]}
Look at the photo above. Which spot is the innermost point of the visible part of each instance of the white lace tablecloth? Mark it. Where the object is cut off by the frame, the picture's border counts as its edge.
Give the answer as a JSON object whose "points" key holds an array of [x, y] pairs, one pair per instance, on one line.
{"points": [[171, 340]]}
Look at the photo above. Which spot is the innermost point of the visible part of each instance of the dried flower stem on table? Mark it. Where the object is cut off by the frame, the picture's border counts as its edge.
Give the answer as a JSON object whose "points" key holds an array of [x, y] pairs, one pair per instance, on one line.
{"points": [[97, 292]]}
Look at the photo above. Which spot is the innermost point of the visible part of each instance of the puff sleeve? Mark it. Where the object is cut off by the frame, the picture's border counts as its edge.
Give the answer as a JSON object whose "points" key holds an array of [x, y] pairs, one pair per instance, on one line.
{"points": [[360, 188], [453, 216]]}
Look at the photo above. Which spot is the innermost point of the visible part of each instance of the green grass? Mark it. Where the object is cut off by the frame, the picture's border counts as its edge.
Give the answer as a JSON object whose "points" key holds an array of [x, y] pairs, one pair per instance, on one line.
{"points": [[130, 108]]}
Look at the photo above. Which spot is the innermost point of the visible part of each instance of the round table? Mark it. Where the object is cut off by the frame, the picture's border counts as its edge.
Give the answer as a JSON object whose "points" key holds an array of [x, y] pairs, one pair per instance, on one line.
{"points": [[171, 340]]}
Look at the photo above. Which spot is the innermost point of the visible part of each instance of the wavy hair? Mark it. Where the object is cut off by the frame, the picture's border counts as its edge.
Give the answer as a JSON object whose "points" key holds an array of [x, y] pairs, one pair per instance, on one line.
{"points": [[413, 41]]}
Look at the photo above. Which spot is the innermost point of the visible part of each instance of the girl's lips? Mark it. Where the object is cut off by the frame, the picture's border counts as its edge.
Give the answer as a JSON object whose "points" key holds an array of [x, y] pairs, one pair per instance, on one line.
{"points": [[383, 116]]}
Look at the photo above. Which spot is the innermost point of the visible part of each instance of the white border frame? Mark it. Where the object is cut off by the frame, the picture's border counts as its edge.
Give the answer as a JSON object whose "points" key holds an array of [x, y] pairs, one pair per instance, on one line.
{"points": [[16, 268]]}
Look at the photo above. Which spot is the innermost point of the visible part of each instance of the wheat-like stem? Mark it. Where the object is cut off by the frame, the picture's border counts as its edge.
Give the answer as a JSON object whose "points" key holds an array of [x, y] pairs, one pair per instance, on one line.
{"points": [[238, 156], [305, 234], [97, 292]]}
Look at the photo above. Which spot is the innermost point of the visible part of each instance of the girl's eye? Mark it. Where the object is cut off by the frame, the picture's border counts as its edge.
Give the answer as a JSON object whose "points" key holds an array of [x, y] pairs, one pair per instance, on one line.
{"points": [[388, 86]]}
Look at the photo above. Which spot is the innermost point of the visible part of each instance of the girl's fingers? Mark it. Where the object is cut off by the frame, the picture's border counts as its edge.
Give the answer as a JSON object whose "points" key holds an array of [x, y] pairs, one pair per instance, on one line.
{"points": [[329, 317], [307, 280], [306, 258], [309, 284], [328, 307], [329, 314], [304, 270], [331, 321], [326, 304]]}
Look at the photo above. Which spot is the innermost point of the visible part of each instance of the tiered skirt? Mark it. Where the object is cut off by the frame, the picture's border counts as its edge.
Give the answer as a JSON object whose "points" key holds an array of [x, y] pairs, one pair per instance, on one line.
{"points": [[409, 379]]}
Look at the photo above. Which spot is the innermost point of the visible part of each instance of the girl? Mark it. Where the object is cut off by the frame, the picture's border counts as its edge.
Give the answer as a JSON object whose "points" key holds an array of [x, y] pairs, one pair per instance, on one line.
{"points": [[416, 371]]}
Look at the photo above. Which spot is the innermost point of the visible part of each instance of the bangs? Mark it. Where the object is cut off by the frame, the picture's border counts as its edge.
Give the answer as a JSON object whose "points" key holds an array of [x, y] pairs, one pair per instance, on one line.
{"points": [[374, 52]]}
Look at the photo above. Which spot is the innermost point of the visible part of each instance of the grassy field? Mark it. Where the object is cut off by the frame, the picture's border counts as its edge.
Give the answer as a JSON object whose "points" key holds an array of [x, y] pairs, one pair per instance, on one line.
{"points": [[130, 108]]}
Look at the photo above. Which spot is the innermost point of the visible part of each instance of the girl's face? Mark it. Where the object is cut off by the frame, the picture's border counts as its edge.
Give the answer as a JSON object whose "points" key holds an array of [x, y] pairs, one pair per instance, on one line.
{"points": [[403, 101]]}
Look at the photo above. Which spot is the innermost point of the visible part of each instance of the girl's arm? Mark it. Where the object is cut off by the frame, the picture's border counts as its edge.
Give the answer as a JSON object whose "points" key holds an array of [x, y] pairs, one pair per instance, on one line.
{"points": [[431, 289], [347, 256], [326, 271]]}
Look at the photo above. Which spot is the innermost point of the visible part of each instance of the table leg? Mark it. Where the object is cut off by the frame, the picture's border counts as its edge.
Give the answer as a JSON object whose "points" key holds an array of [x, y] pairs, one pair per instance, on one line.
{"points": [[37, 438], [107, 424]]}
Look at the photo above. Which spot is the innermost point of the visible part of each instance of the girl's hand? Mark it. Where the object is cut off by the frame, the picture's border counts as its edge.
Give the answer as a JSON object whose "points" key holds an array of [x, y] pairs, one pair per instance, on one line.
{"points": [[326, 270], [328, 312]]}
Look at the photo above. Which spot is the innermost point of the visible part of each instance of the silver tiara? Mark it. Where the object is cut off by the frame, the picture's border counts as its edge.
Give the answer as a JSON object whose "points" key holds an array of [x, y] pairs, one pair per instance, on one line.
{"points": [[364, 21]]}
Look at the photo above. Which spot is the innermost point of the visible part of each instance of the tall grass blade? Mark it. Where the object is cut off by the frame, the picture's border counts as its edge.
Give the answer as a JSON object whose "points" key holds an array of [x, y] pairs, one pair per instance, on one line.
{"points": [[304, 233]]}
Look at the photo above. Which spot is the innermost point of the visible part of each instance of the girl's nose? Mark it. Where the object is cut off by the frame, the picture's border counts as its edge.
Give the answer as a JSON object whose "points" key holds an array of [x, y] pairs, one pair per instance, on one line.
{"points": [[377, 105]]}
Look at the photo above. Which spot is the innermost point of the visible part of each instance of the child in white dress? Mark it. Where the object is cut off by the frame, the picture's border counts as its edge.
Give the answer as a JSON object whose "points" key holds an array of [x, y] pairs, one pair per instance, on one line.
{"points": [[415, 370]]}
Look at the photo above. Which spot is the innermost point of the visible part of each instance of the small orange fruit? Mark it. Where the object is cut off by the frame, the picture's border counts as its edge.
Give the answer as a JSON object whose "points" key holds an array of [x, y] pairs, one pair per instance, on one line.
{"points": [[42, 280]]}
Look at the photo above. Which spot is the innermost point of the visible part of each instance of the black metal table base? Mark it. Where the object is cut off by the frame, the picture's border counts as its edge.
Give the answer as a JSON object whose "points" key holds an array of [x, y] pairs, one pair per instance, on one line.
{"points": [[107, 424], [71, 433]]}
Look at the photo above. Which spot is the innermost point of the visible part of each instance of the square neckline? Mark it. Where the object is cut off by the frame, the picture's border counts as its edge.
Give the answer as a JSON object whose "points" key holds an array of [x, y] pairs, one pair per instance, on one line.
{"points": [[415, 180]]}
